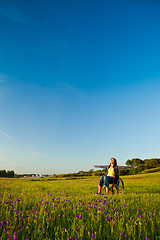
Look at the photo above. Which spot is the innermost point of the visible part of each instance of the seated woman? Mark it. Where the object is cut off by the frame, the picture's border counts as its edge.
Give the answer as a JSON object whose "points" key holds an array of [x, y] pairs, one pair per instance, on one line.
{"points": [[112, 172]]}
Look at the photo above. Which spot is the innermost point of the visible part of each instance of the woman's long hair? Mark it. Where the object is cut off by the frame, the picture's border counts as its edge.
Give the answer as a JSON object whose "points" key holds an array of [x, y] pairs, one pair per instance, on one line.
{"points": [[115, 163]]}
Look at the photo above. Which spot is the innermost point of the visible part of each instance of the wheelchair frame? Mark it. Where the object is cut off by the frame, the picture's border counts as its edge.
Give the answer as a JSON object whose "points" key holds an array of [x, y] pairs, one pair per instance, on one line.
{"points": [[117, 183]]}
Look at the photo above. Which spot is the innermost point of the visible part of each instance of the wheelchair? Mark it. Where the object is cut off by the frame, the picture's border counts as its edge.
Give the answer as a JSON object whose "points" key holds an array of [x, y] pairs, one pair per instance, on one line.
{"points": [[117, 186]]}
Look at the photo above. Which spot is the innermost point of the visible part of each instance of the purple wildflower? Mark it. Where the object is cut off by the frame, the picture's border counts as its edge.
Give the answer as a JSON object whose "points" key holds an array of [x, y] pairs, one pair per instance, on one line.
{"points": [[92, 235], [121, 233], [20, 226], [108, 219], [15, 237]]}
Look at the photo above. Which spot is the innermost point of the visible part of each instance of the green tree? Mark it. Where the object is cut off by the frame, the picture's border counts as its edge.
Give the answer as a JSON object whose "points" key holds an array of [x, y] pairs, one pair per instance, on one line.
{"points": [[128, 162], [134, 162], [10, 174], [3, 173], [137, 162], [152, 163]]}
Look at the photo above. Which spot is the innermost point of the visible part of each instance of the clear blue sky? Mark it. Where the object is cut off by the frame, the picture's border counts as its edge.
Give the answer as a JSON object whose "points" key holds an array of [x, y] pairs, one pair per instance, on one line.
{"points": [[79, 83]]}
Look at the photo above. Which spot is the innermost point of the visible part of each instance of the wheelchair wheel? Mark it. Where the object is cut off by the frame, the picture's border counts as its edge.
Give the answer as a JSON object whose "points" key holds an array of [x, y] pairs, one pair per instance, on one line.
{"points": [[120, 186]]}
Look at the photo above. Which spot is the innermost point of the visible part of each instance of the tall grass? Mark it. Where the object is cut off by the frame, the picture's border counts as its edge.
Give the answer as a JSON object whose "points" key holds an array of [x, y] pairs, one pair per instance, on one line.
{"points": [[72, 210]]}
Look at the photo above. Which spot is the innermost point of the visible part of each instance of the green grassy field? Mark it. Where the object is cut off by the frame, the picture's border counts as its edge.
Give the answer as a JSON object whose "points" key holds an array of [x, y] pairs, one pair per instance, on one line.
{"points": [[71, 209]]}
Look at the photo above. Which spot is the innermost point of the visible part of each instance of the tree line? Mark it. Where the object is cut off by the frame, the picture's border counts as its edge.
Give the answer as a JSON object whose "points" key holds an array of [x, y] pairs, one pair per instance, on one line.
{"points": [[142, 165], [9, 174], [147, 163]]}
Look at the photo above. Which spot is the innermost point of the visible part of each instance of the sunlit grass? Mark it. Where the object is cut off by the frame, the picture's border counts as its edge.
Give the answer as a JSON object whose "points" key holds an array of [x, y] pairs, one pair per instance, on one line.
{"points": [[71, 209]]}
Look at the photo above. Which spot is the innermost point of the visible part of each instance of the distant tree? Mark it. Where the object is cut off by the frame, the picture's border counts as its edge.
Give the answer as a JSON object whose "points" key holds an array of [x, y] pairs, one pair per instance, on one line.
{"points": [[3, 173], [152, 163], [10, 174], [128, 162], [134, 162], [141, 168], [137, 162], [124, 171]]}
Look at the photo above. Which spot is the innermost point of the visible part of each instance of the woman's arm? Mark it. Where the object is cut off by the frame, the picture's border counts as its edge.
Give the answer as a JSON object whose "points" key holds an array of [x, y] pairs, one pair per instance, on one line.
{"points": [[122, 167], [101, 166]]}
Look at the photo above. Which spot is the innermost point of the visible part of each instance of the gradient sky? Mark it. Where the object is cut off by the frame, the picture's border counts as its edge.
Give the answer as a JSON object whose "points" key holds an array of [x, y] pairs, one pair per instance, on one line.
{"points": [[79, 83]]}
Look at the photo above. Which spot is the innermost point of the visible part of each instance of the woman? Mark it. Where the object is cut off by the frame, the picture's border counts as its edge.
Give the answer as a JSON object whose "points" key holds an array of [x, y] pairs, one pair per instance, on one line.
{"points": [[112, 172]]}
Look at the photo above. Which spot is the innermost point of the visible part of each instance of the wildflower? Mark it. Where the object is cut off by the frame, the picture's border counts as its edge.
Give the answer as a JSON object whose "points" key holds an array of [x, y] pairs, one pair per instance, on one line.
{"points": [[15, 237], [20, 226], [76, 238], [154, 214], [124, 205], [121, 233], [47, 235], [92, 235]]}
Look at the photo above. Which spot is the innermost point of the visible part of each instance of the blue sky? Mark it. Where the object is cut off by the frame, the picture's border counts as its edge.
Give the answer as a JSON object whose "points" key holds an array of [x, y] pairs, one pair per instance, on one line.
{"points": [[79, 83]]}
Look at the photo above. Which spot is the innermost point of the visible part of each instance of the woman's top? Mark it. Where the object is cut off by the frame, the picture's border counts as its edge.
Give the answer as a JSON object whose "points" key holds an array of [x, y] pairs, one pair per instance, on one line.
{"points": [[111, 172]]}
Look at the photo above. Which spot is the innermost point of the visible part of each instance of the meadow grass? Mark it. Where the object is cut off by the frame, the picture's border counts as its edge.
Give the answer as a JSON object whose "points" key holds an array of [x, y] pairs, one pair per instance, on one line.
{"points": [[70, 209]]}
